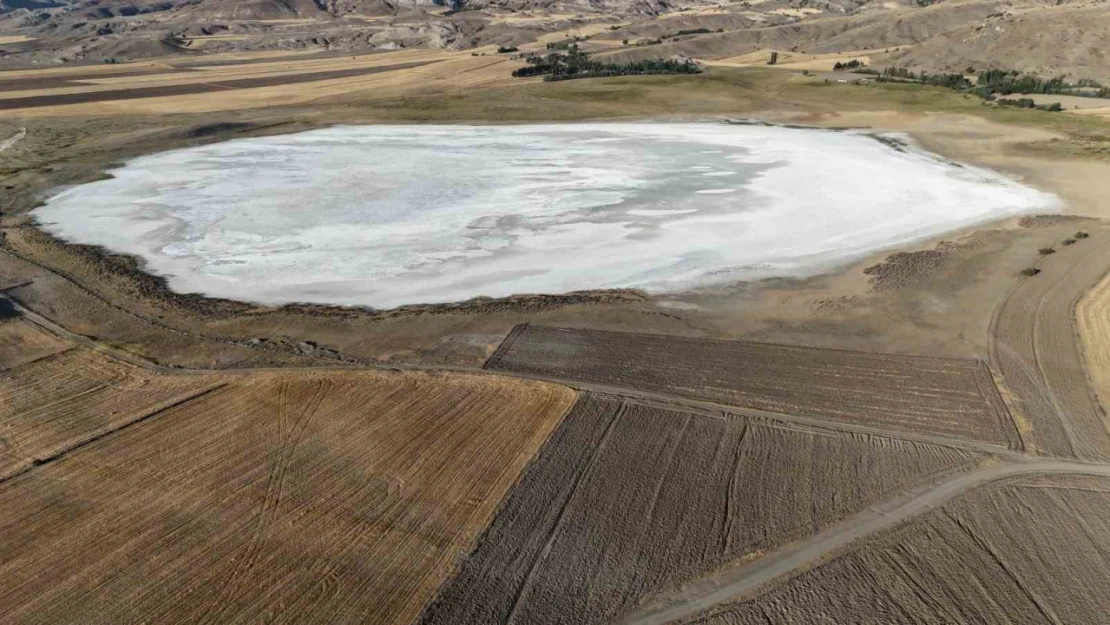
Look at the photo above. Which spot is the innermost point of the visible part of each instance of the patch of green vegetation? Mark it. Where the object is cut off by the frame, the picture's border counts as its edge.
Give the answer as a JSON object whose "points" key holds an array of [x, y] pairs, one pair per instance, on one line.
{"points": [[1068, 241], [1081, 235], [575, 63], [1030, 271], [1045, 251]]}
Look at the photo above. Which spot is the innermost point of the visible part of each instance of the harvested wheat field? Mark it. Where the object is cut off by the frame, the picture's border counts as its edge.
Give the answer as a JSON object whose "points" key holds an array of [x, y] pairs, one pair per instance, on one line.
{"points": [[1028, 550], [1042, 362], [628, 499], [298, 498], [943, 396], [22, 342], [53, 404]]}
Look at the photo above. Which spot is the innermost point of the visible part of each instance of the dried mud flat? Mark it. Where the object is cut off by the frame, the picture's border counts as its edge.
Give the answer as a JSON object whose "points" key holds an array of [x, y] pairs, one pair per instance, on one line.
{"points": [[1027, 550], [278, 497], [627, 499], [946, 397]]}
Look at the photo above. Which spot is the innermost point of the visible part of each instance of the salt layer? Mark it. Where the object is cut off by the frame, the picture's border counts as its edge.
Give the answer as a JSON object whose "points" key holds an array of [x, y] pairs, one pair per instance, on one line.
{"points": [[391, 215]]}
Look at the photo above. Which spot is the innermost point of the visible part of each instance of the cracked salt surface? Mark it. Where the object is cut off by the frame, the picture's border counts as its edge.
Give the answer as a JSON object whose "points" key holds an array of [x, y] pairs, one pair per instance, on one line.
{"points": [[391, 215]]}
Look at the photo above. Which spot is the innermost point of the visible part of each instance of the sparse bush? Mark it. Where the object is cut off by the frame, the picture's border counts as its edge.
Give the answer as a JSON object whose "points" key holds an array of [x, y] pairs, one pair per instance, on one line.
{"points": [[1068, 241], [1030, 271], [506, 49], [1045, 251], [1081, 235]]}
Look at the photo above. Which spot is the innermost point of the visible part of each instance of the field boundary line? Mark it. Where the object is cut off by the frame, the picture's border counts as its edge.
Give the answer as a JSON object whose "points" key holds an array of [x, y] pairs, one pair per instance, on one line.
{"points": [[85, 442], [713, 409], [736, 584], [505, 346]]}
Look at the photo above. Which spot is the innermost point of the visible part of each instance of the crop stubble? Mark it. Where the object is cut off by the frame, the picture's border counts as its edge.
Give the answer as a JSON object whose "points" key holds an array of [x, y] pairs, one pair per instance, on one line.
{"points": [[940, 396], [307, 498], [628, 499], [52, 404], [1026, 550]]}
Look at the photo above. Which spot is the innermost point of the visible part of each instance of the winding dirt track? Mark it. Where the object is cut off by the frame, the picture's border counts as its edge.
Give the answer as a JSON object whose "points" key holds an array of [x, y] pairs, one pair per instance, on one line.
{"points": [[734, 584]]}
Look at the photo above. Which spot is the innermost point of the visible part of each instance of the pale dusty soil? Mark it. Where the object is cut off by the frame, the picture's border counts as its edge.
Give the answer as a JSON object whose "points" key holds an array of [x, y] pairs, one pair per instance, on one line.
{"points": [[325, 498], [21, 342], [628, 499], [1029, 550]]}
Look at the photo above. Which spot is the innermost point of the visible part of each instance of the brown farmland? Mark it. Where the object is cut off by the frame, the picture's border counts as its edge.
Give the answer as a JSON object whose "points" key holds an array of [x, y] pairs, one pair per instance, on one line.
{"points": [[56, 403], [298, 498], [22, 342], [627, 499], [942, 396], [1027, 550]]}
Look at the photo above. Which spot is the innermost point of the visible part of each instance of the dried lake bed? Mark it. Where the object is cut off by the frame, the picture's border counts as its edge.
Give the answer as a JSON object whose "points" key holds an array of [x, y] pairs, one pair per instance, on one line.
{"points": [[390, 215]]}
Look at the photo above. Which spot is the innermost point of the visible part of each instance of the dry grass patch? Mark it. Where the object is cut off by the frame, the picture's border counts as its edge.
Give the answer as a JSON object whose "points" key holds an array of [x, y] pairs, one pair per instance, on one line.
{"points": [[308, 498]]}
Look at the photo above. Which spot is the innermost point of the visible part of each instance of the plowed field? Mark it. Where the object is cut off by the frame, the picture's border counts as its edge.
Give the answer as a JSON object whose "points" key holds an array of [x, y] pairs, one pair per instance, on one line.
{"points": [[628, 499], [293, 498], [1031, 550], [942, 396], [21, 342], [53, 404]]}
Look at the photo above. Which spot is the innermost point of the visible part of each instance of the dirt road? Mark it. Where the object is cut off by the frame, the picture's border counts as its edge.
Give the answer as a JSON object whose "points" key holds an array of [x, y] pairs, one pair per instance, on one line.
{"points": [[733, 584]]}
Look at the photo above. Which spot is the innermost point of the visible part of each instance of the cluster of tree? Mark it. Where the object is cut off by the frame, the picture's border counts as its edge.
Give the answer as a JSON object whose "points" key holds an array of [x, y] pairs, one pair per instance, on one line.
{"points": [[1028, 103], [995, 81], [692, 31], [774, 58], [853, 64], [901, 74], [1007, 82], [506, 49], [565, 44], [577, 64]]}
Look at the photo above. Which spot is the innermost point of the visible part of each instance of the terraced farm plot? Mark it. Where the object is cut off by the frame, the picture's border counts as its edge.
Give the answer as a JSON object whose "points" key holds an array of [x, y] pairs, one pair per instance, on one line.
{"points": [[55, 403], [628, 499], [294, 498], [22, 342], [947, 397], [1031, 550]]}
